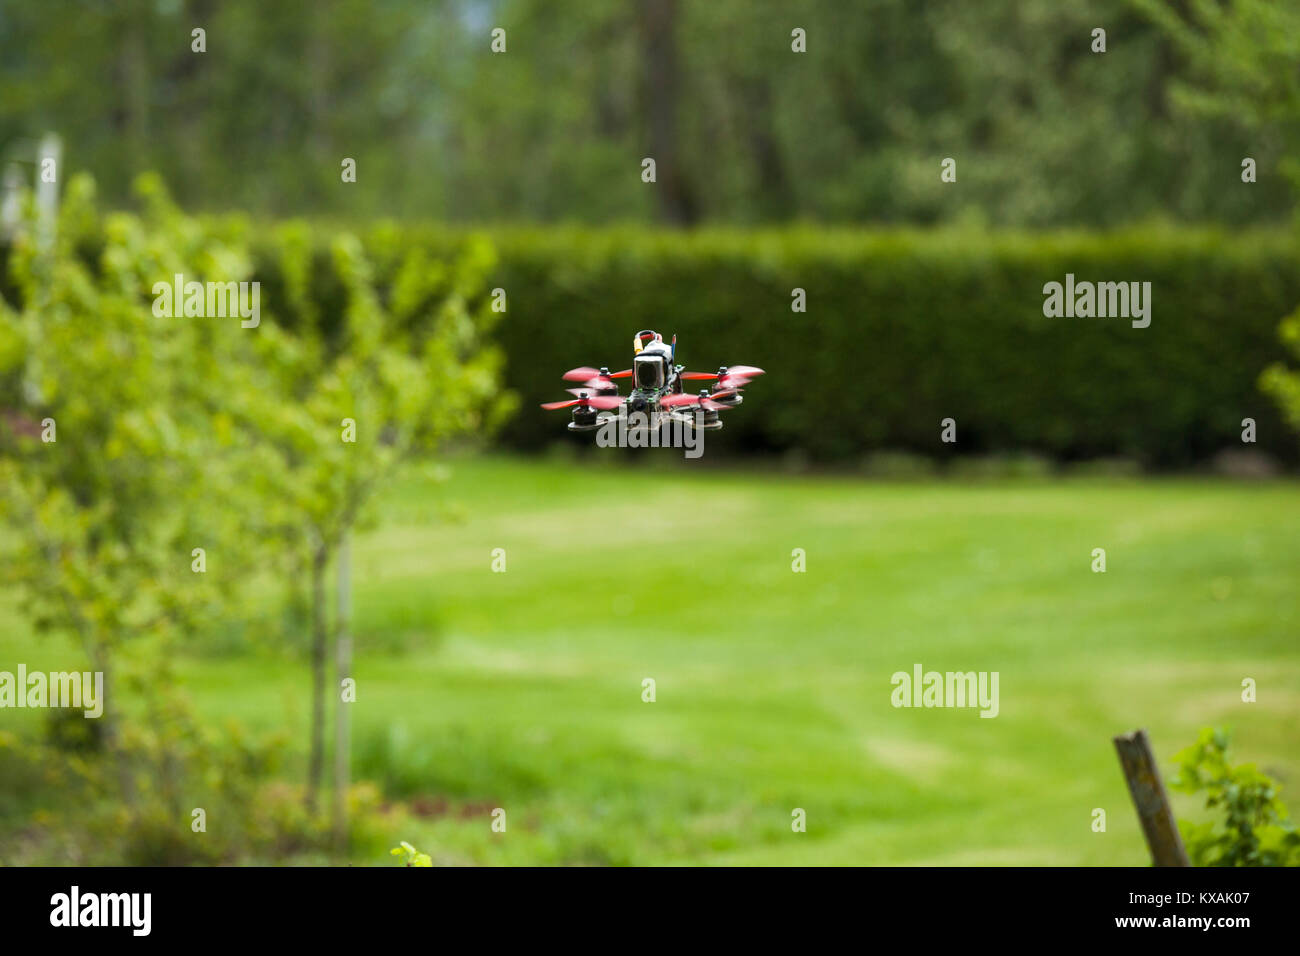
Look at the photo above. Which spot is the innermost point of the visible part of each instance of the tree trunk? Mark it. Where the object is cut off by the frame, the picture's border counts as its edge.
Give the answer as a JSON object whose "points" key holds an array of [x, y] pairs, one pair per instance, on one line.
{"points": [[111, 729], [342, 708], [319, 637], [659, 89], [135, 68], [773, 197]]}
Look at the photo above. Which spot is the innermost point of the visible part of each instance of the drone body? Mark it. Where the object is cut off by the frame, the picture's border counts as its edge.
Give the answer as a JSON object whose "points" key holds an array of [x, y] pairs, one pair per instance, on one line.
{"points": [[657, 397]]}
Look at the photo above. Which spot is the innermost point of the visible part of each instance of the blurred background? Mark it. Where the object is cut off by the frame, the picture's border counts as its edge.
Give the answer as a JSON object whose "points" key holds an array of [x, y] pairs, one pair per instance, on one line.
{"points": [[330, 642], [744, 131]]}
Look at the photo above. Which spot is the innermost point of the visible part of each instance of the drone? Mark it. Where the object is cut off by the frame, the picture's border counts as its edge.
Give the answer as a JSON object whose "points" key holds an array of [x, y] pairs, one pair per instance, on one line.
{"points": [[657, 396]]}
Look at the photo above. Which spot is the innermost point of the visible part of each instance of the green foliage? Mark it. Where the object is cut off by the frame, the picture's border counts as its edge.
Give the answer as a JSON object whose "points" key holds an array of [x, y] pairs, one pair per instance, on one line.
{"points": [[112, 508], [232, 777], [142, 469], [904, 329], [409, 362], [1045, 131], [1282, 382], [413, 857], [1239, 61], [1252, 829], [360, 378], [177, 432]]}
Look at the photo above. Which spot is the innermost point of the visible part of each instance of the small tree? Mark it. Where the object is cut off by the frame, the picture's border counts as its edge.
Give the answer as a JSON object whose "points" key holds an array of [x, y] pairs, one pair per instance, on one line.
{"points": [[172, 433], [116, 461], [1253, 830], [346, 405]]}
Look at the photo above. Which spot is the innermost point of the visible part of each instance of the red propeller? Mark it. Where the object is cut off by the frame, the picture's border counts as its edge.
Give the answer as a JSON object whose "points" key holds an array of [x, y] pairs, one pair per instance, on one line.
{"points": [[673, 401], [593, 377], [734, 377], [604, 402], [734, 381]]}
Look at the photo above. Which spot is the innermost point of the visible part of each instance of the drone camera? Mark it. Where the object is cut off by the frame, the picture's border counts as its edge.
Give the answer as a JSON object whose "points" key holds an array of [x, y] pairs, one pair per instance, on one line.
{"points": [[649, 371]]}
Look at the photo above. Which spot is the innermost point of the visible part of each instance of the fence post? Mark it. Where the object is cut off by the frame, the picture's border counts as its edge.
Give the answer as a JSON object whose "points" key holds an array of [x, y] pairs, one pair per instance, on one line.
{"points": [[1150, 798]]}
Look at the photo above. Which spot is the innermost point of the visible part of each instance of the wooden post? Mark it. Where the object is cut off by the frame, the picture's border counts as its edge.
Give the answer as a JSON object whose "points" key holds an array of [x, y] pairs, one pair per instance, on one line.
{"points": [[1150, 798]]}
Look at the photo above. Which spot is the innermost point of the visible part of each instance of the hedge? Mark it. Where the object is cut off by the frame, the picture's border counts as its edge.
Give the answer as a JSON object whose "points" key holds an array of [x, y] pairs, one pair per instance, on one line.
{"points": [[905, 329], [902, 330]]}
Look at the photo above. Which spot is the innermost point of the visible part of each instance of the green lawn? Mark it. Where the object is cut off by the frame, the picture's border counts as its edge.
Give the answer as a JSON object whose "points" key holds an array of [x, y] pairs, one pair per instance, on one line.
{"points": [[522, 689]]}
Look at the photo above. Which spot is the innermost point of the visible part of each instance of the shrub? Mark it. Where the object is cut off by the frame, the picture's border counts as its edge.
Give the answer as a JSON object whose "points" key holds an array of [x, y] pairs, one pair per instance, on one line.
{"points": [[410, 855], [1281, 382], [1253, 829], [903, 329], [175, 430]]}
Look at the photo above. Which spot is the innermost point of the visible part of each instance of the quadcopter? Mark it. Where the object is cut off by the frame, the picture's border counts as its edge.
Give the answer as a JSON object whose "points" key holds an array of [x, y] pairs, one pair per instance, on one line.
{"points": [[657, 395]]}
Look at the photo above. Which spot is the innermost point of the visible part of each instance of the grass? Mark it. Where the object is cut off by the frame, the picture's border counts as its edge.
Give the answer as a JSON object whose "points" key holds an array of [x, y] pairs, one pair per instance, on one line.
{"points": [[523, 690]]}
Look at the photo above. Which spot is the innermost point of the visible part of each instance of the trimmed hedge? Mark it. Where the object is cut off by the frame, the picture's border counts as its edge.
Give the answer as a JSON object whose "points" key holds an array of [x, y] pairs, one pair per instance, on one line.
{"points": [[904, 329]]}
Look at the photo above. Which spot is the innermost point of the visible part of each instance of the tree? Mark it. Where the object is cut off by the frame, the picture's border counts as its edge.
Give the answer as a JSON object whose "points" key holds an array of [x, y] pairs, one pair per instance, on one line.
{"points": [[659, 90], [1241, 64], [743, 128], [1243, 60], [117, 460], [172, 434], [344, 405]]}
